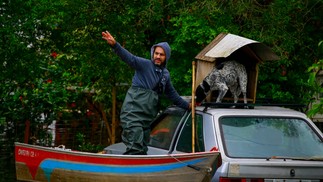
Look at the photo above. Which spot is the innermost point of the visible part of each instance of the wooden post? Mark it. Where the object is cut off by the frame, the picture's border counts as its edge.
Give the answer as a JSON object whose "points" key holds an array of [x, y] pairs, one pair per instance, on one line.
{"points": [[113, 129], [27, 131], [105, 119], [193, 107]]}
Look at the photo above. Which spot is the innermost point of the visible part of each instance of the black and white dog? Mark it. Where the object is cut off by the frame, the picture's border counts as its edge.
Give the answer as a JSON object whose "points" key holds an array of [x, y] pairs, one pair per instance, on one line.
{"points": [[228, 75]]}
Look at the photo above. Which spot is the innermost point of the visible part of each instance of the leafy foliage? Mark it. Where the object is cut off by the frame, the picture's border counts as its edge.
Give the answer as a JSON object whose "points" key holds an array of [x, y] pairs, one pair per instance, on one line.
{"points": [[53, 55], [314, 70]]}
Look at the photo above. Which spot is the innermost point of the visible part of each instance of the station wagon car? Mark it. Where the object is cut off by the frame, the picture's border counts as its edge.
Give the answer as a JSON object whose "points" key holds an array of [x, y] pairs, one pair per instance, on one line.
{"points": [[261, 143]]}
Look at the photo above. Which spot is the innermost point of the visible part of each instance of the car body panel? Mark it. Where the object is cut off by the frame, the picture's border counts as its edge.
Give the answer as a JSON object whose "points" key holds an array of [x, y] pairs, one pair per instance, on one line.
{"points": [[276, 168]]}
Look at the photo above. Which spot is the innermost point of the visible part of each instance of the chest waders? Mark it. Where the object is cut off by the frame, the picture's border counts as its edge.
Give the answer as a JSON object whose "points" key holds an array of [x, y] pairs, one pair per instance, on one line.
{"points": [[138, 110]]}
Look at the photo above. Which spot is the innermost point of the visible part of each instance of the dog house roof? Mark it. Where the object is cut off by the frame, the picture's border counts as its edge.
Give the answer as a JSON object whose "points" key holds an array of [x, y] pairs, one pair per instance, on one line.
{"points": [[225, 44]]}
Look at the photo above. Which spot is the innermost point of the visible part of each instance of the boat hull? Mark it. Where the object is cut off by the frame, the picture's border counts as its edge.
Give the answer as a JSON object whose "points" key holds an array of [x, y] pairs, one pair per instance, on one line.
{"points": [[35, 163]]}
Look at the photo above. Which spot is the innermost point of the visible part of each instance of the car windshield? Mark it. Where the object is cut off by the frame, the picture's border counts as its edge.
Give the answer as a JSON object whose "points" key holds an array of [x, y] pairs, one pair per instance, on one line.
{"points": [[268, 137]]}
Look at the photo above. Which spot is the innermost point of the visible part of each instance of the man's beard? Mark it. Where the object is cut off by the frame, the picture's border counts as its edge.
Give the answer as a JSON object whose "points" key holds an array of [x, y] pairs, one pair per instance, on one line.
{"points": [[157, 62]]}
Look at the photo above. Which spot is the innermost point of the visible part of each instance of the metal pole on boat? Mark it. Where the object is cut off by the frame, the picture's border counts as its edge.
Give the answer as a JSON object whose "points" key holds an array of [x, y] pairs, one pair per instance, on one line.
{"points": [[193, 106]]}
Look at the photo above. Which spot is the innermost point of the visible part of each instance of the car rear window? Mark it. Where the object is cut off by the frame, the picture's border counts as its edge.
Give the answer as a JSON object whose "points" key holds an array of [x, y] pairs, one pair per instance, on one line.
{"points": [[265, 137]]}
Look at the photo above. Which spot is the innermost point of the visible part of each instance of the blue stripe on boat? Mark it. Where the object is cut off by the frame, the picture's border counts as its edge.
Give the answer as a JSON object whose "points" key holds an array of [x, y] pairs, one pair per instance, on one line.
{"points": [[49, 165]]}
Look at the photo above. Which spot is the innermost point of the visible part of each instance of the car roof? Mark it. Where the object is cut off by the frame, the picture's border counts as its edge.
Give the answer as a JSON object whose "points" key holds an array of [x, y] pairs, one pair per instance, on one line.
{"points": [[256, 111]]}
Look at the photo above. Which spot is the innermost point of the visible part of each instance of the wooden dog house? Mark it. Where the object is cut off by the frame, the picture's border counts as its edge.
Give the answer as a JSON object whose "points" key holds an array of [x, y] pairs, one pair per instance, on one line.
{"points": [[229, 46]]}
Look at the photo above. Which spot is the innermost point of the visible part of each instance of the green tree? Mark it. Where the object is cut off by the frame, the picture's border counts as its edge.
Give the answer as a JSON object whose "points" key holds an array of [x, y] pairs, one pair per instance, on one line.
{"points": [[317, 107], [291, 29], [33, 81], [48, 47]]}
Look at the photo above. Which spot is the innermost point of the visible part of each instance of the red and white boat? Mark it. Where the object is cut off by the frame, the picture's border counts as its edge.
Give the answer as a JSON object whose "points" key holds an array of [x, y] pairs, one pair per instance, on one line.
{"points": [[36, 163]]}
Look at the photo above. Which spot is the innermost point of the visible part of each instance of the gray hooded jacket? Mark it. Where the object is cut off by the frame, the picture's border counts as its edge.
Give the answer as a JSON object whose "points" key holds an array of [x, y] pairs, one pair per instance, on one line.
{"points": [[148, 75]]}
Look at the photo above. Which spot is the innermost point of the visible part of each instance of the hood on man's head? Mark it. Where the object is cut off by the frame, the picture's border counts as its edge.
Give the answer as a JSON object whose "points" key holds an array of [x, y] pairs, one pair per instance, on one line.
{"points": [[163, 45]]}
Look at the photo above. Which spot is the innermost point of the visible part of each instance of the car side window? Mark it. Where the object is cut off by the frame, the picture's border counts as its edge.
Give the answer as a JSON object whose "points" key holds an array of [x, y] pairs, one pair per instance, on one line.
{"points": [[184, 143], [162, 133]]}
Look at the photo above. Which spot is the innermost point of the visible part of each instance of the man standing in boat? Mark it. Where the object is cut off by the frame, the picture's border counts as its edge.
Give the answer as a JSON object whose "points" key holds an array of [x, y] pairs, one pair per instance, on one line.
{"points": [[140, 107]]}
